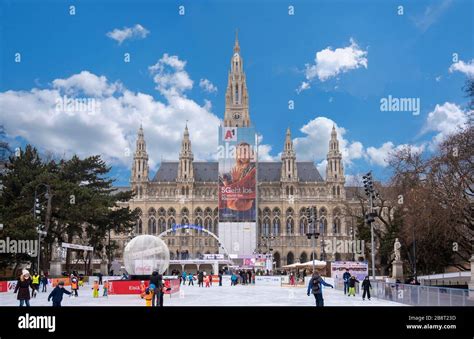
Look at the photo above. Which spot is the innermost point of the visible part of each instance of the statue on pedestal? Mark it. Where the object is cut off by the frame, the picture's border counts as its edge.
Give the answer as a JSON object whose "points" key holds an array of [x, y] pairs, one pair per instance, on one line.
{"points": [[396, 250]]}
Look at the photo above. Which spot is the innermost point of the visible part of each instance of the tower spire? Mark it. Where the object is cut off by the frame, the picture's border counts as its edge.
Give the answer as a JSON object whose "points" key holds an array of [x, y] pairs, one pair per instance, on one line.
{"points": [[236, 44], [236, 97]]}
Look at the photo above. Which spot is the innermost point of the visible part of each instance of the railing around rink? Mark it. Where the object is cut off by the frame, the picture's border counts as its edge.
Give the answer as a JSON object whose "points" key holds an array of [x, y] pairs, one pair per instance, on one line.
{"points": [[415, 295]]}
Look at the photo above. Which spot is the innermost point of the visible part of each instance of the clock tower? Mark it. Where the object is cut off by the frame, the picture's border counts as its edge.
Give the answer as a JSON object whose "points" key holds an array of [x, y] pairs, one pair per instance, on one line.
{"points": [[236, 97]]}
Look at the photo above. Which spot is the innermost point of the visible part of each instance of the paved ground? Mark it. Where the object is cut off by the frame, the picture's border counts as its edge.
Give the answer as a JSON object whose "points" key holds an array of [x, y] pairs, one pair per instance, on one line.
{"points": [[214, 296]]}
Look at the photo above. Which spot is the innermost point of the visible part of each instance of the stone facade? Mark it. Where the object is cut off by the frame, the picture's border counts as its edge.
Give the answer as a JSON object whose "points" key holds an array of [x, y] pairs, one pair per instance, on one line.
{"points": [[185, 192]]}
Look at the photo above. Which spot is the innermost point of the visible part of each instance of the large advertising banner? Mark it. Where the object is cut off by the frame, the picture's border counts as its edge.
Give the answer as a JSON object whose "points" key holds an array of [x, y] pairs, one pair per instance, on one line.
{"points": [[237, 174], [359, 269]]}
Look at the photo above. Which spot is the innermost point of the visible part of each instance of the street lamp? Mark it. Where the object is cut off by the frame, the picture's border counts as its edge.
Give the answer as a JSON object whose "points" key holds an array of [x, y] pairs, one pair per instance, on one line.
{"points": [[37, 214], [312, 234], [370, 217]]}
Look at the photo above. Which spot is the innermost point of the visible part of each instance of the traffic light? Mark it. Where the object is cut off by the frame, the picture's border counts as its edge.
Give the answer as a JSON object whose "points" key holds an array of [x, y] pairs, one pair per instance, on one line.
{"points": [[370, 217]]}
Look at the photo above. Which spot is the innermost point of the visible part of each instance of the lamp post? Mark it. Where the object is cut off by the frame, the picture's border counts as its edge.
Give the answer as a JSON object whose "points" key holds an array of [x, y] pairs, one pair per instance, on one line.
{"points": [[369, 218], [36, 213], [312, 234]]}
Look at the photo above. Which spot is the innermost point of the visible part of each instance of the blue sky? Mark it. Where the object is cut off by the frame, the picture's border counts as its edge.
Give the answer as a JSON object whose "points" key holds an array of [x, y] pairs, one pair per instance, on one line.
{"points": [[367, 52]]}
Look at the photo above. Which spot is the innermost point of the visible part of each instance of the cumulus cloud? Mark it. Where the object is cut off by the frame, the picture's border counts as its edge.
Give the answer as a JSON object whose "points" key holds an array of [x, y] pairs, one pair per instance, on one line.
{"points": [[381, 155], [170, 76], [463, 67], [207, 86], [328, 63], [135, 32], [111, 131], [444, 120], [315, 143]]}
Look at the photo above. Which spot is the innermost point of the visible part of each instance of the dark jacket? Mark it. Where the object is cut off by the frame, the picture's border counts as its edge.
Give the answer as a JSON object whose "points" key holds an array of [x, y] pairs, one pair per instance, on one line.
{"points": [[156, 279], [23, 289], [315, 285], [352, 282], [57, 294], [346, 276], [366, 284]]}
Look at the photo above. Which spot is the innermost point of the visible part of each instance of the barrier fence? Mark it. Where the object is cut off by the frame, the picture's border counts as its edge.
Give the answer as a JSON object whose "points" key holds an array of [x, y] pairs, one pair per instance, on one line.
{"points": [[416, 295]]}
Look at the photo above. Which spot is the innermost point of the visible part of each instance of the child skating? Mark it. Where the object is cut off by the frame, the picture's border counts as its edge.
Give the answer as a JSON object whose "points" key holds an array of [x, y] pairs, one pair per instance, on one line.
{"points": [[148, 296], [95, 289], [352, 282], [106, 289], [57, 294]]}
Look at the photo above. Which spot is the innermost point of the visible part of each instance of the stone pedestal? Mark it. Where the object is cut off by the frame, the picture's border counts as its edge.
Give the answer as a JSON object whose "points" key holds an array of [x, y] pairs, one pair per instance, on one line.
{"points": [[471, 283], [55, 268], [104, 267], [397, 270]]}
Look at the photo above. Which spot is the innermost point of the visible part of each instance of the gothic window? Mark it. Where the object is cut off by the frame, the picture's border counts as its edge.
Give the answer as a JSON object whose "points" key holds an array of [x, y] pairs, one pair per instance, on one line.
{"points": [[276, 212], [303, 224], [287, 190], [182, 191], [276, 226], [289, 226], [291, 190], [323, 226], [338, 191], [289, 212], [161, 212], [152, 225], [171, 222], [162, 225], [334, 190], [266, 226], [139, 228], [171, 212]]}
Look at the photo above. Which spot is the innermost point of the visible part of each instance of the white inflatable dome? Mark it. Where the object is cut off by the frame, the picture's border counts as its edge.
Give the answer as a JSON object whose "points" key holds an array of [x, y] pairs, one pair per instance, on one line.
{"points": [[145, 254]]}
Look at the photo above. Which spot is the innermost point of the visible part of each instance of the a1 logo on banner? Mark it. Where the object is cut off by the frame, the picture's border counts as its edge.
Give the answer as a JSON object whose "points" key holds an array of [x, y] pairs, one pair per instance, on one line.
{"points": [[229, 134]]}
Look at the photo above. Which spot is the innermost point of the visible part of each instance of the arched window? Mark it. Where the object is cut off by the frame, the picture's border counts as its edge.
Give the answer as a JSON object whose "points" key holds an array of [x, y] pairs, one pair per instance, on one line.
{"points": [[171, 222], [291, 190], [303, 257], [152, 226], [290, 258], [287, 190], [266, 226], [303, 225], [276, 212], [338, 191], [323, 226], [161, 225], [276, 226], [171, 212], [290, 229], [161, 212], [334, 190], [139, 229]]}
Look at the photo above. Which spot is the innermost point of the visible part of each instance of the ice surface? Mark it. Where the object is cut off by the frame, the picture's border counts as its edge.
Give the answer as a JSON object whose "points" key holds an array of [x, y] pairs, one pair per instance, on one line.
{"points": [[239, 295]]}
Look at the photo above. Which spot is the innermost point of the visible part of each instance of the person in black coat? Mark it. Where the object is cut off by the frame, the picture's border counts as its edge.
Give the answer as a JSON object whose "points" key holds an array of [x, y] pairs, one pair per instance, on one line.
{"points": [[57, 294], [346, 276], [23, 288], [201, 279], [366, 287], [157, 280]]}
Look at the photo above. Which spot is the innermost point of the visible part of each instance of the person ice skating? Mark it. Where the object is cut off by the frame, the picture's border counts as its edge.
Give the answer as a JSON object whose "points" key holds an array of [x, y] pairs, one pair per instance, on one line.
{"points": [[35, 282], [148, 296], [106, 289], [74, 285], [142, 289], [220, 278], [233, 279], [366, 286], [57, 294], [314, 287], [44, 282], [201, 279], [190, 279], [156, 281], [184, 277], [346, 276], [207, 281], [100, 278], [95, 289], [210, 278], [292, 279], [23, 286], [352, 282]]}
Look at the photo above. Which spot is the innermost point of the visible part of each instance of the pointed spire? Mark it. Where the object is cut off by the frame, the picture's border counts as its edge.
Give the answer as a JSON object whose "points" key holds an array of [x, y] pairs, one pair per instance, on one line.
{"points": [[236, 45], [186, 131], [333, 132]]}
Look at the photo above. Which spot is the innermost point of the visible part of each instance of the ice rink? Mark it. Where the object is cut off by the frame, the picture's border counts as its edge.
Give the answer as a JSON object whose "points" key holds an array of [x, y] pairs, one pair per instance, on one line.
{"points": [[239, 295]]}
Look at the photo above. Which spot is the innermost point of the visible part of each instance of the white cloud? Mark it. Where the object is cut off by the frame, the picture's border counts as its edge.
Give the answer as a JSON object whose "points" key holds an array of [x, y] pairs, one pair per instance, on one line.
{"points": [[329, 63], [303, 87], [445, 119], [207, 86], [87, 83], [111, 132], [135, 32], [463, 67], [314, 145], [431, 14], [380, 156], [170, 76]]}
